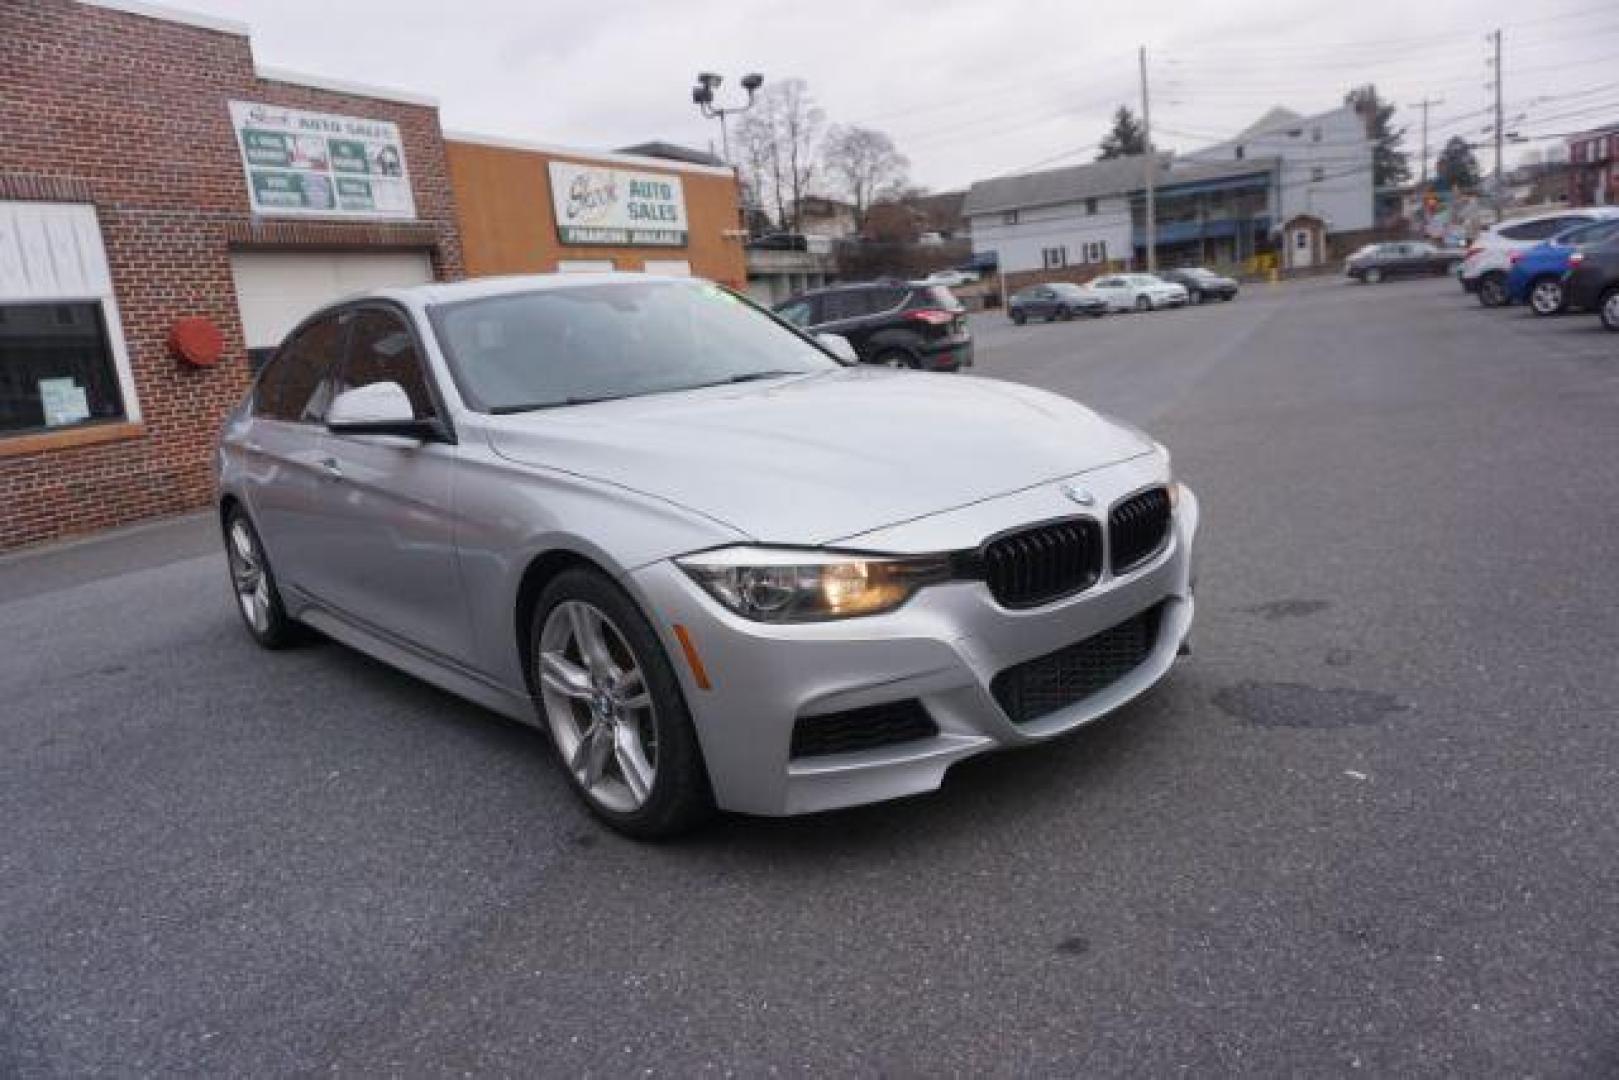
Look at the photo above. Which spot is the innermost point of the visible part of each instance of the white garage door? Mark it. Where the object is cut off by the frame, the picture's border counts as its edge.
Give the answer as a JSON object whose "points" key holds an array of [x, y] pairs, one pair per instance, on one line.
{"points": [[276, 289]]}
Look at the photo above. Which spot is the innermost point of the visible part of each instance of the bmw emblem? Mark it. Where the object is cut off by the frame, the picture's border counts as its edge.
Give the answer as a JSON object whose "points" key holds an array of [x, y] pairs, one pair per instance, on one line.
{"points": [[1080, 495]]}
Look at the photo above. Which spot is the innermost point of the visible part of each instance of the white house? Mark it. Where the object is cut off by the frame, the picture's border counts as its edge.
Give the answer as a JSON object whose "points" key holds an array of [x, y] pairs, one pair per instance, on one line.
{"points": [[1325, 169], [1076, 216]]}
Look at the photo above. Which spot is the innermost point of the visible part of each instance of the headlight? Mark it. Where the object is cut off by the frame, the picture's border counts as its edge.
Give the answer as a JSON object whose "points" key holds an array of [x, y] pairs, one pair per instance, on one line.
{"points": [[778, 585]]}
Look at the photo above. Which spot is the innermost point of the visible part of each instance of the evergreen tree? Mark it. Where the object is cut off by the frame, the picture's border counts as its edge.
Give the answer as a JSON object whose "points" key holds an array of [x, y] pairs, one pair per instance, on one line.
{"points": [[1391, 167], [1125, 138], [1458, 168]]}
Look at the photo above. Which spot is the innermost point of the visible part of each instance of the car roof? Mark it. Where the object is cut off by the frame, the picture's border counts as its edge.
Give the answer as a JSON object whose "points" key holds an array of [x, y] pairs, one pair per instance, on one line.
{"points": [[1592, 213], [447, 292]]}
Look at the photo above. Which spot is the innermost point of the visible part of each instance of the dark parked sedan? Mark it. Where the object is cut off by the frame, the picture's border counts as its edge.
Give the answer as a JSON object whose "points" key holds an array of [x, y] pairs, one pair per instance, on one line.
{"points": [[1058, 300], [1592, 282], [1379, 262], [1202, 284], [892, 323]]}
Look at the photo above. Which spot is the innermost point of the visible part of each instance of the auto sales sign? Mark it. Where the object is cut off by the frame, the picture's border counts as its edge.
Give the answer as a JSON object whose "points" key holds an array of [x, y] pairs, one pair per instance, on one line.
{"points": [[596, 205]]}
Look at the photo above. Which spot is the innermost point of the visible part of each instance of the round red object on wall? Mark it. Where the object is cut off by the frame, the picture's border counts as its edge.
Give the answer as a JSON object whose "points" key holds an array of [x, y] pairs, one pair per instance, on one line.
{"points": [[197, 341]]}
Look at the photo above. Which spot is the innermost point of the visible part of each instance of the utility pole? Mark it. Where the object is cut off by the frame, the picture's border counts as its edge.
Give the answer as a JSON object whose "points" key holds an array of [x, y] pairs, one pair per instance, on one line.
{"points": [[1500, 128], [1152, 168], [1424, 105]]}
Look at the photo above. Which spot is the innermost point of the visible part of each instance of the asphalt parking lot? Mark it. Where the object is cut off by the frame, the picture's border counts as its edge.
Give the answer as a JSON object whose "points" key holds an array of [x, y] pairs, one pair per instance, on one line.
{"points": [[1370, 825]]}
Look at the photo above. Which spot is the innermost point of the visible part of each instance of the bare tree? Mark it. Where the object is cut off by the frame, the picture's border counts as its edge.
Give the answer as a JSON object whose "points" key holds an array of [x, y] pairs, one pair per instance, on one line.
{"points": [[781, 134], [864, 163]]}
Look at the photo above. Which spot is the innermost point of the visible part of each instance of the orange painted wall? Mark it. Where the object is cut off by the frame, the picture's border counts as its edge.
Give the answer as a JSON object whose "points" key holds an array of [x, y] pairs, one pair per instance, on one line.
{"points": [[503, 201]]}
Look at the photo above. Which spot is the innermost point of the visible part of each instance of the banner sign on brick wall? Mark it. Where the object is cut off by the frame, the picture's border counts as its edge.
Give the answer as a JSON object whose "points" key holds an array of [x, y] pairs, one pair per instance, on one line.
{"points": [[309, 164], [596, 205]]}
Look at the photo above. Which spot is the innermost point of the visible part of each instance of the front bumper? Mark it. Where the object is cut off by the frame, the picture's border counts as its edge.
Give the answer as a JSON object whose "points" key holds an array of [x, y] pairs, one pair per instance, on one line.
{"points": [[943, 648]]}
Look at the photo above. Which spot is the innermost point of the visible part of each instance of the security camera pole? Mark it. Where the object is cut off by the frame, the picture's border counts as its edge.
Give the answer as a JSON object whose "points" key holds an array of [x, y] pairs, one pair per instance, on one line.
{"points": [[702, 95]]}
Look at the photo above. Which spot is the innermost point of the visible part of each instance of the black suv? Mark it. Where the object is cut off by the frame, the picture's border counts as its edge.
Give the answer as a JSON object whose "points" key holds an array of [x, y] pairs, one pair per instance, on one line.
{"points": [[1592, 281], [913, 325]]}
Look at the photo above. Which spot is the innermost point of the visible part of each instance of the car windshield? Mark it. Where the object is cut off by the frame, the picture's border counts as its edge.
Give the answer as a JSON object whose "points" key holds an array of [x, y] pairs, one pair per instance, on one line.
{"points": [[584, 343]]}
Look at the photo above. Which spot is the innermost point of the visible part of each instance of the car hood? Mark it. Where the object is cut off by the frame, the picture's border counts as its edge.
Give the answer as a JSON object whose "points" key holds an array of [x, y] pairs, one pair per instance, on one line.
{"points": [[809, 460]]}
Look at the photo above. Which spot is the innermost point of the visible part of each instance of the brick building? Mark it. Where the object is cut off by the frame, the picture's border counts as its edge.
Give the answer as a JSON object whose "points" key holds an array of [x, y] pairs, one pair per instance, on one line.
{"points": [[128, 217], [1593, 167]]}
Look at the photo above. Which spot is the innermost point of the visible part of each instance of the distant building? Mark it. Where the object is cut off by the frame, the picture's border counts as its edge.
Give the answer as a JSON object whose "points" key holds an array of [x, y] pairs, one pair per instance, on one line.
{"points": [[1593, 167], [831, 218], [1287, 184]]}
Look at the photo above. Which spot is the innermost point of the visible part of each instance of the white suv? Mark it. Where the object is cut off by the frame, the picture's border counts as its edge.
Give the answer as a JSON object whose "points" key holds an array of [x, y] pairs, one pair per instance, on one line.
{"points": [[1138, 292], [1489, 257]]}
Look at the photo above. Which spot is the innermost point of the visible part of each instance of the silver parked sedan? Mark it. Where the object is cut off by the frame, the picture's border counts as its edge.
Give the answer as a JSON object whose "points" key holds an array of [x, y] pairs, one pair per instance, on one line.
{"points": [[717, 564]]}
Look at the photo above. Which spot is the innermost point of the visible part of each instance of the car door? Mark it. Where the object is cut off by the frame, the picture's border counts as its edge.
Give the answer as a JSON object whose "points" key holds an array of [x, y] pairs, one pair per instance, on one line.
{"points": [[281, 450], [385, 508], [1115, 291], [1042, 303], [843, 312]]}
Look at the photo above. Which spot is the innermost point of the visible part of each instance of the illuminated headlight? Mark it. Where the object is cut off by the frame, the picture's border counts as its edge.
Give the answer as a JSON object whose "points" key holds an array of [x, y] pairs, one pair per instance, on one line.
{"points": [[786, 586]]}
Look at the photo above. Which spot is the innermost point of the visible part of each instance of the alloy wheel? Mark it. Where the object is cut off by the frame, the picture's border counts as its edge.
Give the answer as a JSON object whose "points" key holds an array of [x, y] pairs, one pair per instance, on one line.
{"points": [[1492, 291], [598, 706], [1546, 298], [247, 574], [1610, 310]]}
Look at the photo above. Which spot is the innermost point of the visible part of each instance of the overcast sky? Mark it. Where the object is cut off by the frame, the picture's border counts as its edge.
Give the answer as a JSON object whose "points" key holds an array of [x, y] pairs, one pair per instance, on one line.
{"points": [[968, 88]]}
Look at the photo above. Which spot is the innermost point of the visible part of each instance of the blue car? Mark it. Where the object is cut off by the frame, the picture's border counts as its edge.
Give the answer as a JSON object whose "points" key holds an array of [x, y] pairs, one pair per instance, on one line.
{"points": [[1536, 277]]}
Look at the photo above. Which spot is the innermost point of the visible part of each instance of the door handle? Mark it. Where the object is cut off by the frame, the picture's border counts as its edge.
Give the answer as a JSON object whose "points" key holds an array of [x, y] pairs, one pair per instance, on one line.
{"points": [[332, 469]]}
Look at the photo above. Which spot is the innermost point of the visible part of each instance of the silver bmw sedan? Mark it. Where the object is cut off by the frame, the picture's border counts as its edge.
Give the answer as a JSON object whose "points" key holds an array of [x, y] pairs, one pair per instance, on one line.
{"points": [[719, 564]]}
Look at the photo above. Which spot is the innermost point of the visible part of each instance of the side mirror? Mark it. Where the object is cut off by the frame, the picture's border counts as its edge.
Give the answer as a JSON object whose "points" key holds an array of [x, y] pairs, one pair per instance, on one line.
{"points": [[838, 346], [381, 408]]}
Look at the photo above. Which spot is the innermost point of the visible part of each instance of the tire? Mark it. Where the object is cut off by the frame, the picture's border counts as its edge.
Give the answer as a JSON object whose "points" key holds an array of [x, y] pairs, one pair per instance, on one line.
{"points": [[258, 600], [1492, 289], [1195, 296], [1228, 297], [1019, 318], [897, 358], [1372, 276], [637, 767], [1608, 310], [1546, 296], [1065, 313], [1143, 303]]}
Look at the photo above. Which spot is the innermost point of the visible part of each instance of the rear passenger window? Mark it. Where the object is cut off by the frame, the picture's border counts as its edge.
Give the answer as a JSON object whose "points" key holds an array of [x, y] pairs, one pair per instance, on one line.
{"points": [[381, 349], [296, 386], [850, 304]]}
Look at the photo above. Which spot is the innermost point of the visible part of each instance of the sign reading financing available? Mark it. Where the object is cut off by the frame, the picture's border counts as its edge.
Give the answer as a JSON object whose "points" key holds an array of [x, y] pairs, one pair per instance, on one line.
{"points": [[596, 205], [308, 164]]}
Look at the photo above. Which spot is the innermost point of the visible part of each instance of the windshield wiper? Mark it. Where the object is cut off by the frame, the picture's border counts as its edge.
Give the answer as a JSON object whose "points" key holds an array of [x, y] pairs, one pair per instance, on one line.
{"points": [[536, 406]]}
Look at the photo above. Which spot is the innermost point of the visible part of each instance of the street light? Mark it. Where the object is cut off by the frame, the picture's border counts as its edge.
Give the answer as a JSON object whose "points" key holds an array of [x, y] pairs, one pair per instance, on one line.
{"points": [[702, 95]]}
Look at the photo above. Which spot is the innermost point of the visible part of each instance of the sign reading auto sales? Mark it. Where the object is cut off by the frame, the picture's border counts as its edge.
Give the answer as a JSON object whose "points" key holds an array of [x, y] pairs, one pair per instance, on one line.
{"points": [[596, 205], [308, 164]]}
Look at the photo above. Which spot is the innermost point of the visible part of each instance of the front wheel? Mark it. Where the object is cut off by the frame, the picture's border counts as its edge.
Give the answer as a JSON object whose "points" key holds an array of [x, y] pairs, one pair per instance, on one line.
{"points": [[1373, 276], [1546, 296], [1195, 297], [613, 706], [1143, 304], [1609, 311], [1492, 290], [1019, 318], [257, 597]]}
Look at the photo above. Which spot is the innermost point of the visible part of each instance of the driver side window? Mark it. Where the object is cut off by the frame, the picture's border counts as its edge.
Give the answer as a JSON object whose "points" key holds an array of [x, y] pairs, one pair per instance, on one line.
{"points": [[382, 349]]}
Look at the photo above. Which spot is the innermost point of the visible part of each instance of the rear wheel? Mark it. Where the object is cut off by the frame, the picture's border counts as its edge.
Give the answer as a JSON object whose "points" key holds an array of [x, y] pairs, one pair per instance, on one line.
{"points": [[1492, 290], [896, 358], [1143, 303], [613, 706], [1019, 318], [1546, 296], [1195, 297], [1609, 310], [1373, 276], [1065, 313]]}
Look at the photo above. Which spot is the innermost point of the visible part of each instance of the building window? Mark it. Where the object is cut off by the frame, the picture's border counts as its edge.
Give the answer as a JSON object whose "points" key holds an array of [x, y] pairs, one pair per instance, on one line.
{"points": [[1055, 257], [1090, 207], [56, 368], [1317, 173], [1009, 218], [1096, 251]]}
